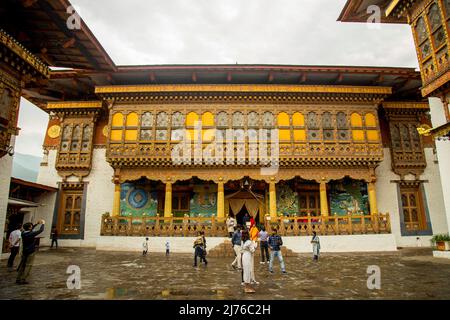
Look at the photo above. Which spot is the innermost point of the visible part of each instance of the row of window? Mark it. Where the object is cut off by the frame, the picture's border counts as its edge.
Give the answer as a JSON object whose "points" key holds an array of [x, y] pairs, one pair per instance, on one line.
{"points": [[76, 138], [297, 127], [430, 31]]}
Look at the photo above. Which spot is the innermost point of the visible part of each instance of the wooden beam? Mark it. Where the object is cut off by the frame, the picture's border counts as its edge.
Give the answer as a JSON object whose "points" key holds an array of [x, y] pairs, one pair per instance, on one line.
{"points": [[229, 77], [303, 77], [152, 77], [69, 43], [68, 33]]}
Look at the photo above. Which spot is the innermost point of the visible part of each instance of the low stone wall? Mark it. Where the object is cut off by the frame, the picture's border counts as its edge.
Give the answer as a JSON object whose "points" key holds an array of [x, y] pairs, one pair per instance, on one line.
{"points": [[155, 244], [349, 243]]}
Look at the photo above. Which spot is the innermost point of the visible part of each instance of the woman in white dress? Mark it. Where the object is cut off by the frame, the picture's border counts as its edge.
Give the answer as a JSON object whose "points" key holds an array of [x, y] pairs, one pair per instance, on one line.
{"points": [[248, 248], [316, 246]]}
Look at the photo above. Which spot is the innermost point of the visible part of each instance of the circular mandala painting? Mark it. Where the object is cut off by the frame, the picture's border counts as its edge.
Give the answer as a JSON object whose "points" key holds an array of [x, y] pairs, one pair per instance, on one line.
{"points": [[137, 198]]}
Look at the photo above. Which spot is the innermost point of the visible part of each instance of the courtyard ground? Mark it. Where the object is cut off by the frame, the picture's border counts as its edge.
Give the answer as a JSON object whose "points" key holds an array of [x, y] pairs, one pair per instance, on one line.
{"points": [[406, 274]]}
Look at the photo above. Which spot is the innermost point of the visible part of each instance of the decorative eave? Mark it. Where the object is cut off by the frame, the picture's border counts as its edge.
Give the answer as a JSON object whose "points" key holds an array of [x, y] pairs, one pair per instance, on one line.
{"points": [[242, 88], [406, 105], [436, 84], [231, 92], [293, 163], [405, 108], [15, 47], [75, 107]]}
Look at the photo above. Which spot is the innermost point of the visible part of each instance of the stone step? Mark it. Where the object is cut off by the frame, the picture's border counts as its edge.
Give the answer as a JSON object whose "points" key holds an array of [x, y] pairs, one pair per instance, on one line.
{"points": [[225, 249]]}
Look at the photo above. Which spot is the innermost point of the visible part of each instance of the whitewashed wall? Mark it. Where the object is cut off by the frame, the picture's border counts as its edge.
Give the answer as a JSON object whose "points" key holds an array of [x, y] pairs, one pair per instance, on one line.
{"points": [[387, 198], [5, 178], [443, 154], [100, 193]]}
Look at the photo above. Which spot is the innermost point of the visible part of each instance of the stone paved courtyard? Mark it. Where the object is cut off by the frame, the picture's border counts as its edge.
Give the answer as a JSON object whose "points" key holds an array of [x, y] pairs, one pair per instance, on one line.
{"points": [[406, 274]]}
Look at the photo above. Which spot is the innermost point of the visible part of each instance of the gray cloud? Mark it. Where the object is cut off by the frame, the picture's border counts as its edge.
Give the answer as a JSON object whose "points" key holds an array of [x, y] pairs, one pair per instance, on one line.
{"points": [[243, 31]]}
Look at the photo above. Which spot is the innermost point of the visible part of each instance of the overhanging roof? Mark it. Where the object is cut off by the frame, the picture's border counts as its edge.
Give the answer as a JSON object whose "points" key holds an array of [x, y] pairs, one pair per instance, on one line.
{"points": [[41, 27], [357, 11], [75, 85]]}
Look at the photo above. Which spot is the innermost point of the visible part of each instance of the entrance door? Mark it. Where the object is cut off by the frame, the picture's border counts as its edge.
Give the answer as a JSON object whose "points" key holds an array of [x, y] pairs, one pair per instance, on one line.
{"points": [[240, 216]]}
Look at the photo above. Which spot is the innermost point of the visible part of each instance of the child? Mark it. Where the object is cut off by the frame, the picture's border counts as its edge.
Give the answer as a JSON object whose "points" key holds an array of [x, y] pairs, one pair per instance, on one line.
{"points": [[145, 247], [167, 248]]}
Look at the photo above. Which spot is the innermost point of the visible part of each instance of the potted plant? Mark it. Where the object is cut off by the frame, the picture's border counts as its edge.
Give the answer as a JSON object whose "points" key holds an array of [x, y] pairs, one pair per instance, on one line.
{"points": [[441, 241]]}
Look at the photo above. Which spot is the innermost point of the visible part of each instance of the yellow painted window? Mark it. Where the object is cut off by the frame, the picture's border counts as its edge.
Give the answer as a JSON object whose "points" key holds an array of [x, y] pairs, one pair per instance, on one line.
{"points": [[356, 120], [132, 120], [130, 135], [299, 135], [358, 135], [207, 119], [191, 119], [284, 135], [298, 120], [372, 135], [116, 135], [283, 119], [117, 120], [370, 120]]}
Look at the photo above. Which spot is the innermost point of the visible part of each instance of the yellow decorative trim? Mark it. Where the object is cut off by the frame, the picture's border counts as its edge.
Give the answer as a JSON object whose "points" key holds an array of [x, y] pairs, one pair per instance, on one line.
{"points": [[406, 105], [74, 105], [54, 131], [23, 53], [105, 131], [391, 7], [424, 130], [243, 88]]}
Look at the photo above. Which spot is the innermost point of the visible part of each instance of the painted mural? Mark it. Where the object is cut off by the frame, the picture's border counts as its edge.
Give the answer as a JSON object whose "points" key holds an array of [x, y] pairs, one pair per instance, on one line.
{"points": [[348, 196], [287, 201], [203, 202], [137, 201]]}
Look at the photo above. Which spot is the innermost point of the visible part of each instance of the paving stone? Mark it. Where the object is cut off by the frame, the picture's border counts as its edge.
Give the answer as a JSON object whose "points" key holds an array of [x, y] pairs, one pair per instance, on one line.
{"points": [[406, 274]]}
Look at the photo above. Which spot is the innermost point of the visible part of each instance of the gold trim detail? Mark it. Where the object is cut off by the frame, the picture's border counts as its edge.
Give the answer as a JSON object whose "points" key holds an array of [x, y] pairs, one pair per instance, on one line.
{"points": [[54, 131], [406, 105], [24, 54], [105, 131], [243, 88], [74, 105], [391, 7]]}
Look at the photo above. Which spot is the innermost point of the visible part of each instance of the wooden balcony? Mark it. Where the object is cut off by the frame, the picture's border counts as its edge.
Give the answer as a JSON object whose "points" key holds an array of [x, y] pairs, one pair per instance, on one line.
{"points": [[214, 227], [290, 154]]}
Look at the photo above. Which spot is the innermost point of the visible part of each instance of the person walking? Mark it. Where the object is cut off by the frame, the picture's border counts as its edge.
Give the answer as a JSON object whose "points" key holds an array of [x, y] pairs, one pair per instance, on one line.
{"points": [[248, 248], [14, 243], [167, 248], [316, 246], [198, 249], [28, 250], [145, 247], [54, 237], [254, 237], [275, 243], [264, 245], [231, 225], [236, 241]]}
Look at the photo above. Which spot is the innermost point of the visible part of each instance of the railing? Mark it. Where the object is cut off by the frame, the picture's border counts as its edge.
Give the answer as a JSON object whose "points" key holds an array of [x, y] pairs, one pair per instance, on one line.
{"points": [[330, 225], [163, 226], [214, 227]]}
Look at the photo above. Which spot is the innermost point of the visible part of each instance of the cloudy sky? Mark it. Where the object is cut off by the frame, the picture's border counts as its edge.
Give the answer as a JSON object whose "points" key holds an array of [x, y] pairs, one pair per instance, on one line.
{"points": [[303, 32]]}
